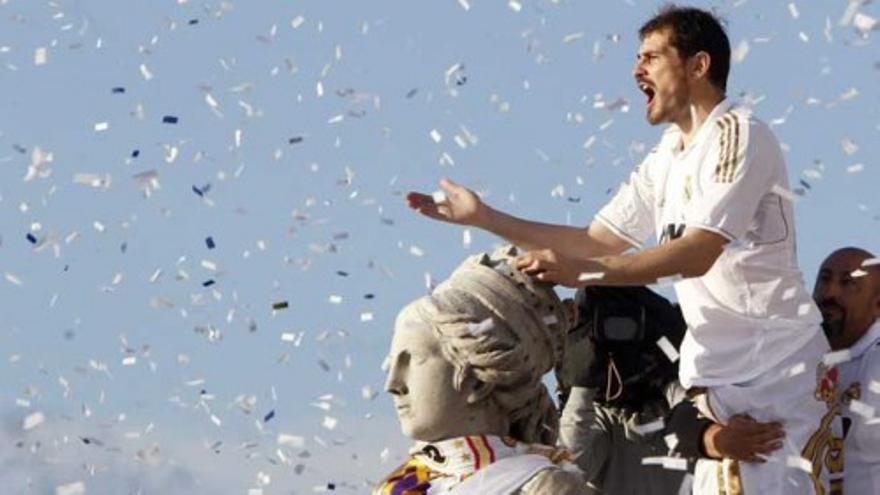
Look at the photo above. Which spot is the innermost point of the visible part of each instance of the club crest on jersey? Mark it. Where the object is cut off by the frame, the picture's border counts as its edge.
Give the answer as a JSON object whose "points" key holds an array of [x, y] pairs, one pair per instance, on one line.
{"points": [[671, 232]]}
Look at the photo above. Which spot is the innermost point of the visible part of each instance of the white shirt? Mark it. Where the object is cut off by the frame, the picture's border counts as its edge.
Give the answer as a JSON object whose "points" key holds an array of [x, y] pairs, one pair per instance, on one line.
{"points": [[751, 309], [860, 381]]}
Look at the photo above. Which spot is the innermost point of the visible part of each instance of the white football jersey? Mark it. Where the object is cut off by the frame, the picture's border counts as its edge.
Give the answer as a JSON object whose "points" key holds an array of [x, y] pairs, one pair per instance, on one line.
{"points": [[859, 384], [751, 309]]}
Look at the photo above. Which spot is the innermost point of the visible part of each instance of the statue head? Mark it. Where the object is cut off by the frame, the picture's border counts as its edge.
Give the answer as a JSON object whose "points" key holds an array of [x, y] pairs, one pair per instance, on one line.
{"points": [[470, 358]]}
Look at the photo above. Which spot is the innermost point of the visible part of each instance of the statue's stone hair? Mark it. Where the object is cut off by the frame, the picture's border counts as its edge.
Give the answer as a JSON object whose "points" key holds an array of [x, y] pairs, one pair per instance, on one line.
{"points": [[505, 329]]}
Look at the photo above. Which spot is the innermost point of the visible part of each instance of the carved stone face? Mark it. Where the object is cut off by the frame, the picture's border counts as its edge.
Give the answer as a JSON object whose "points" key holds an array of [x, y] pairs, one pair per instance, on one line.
{"points": [[421, 381]]}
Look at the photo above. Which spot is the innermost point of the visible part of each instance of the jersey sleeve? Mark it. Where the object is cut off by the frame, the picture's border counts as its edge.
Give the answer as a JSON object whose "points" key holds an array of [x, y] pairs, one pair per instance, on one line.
{"points": [[744, 167], [630, 213]]}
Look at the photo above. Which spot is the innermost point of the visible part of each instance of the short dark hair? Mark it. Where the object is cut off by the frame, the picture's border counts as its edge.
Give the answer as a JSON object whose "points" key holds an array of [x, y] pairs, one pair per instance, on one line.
{"points": [[694, 30]]}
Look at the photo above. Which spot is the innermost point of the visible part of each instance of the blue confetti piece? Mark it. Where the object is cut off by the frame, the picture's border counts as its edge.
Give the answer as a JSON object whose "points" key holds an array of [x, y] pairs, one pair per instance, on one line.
{"points": [[118, 90], [169, 119], [208, 283], [269, 416], [31, 238], [198, 191], [135, 153], [209, 241]]}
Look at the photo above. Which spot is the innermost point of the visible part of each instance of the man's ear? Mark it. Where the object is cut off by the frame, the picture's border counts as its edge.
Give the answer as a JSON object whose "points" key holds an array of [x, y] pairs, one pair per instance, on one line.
{"points": [[698, 65], [477, 390]]}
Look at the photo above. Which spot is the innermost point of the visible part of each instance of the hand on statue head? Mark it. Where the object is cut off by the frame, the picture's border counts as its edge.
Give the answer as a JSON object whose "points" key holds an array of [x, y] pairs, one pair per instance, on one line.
{"points": [[460, 205], [551, 266], [743, 439]]}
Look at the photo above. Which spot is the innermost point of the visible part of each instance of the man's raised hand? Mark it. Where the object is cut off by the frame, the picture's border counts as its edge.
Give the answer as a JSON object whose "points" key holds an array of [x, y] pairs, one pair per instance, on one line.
{"points": [[460, 205]]}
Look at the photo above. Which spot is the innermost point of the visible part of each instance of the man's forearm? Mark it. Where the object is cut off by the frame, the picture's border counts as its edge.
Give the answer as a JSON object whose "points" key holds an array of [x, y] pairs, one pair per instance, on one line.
{"points": [[684, 257], [528, 235]]}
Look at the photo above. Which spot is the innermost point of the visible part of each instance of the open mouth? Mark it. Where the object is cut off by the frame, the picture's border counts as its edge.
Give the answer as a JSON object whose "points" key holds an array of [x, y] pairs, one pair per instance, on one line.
{"points": [[649, 92]]}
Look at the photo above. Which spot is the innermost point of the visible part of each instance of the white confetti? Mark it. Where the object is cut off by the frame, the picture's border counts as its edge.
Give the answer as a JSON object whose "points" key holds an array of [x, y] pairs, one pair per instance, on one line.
{"points": [[33, 420], [365, 317], [40, 56], [416, 251], [589, 142], [477, 329], [855, 168], [438, 197], [129, 361], [858, 273], [466, 238], [568, 38], [464, 4], [550, 320], [862, 409], [836, 357], [871, 262], [797, 369], [864, 23], [647, 428], [588, 276], [367, 393], [514, 5], [668, 349], [92, 180], [335, 299], [292, 441], [12, 278], [436, 136], [784, 193], [874, 386], [145, 72], [330, 422], [739, 52], [804, 309], [671, 441], [75, 488], [101, 126], [792, 8], [799, 462], [297, 21], [672, 463]]}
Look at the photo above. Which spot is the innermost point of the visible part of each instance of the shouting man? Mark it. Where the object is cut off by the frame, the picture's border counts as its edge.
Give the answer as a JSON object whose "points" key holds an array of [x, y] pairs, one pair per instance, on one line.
{"points": [[713, 192]]}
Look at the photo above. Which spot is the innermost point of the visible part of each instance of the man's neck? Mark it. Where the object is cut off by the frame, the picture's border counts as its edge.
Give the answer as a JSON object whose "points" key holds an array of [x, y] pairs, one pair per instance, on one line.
{"points": [[694, 115]]}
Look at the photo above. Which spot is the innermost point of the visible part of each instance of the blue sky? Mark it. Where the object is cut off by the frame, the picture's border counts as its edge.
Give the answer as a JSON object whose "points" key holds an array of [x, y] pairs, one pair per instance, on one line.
{"points": [[299, 124]]}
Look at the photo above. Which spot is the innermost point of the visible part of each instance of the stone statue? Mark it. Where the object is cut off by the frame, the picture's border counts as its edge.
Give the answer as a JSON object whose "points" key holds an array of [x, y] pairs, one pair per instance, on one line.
{"points": [[465, 370]]}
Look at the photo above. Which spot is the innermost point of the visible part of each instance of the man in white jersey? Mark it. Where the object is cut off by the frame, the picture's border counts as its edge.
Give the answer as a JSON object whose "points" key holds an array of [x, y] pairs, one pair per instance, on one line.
{"points": [[847, 291], [713, 192]]}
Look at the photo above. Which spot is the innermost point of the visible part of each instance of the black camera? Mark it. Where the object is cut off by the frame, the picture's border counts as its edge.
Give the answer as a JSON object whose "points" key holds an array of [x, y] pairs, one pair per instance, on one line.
{"points": [[614, 349]]}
